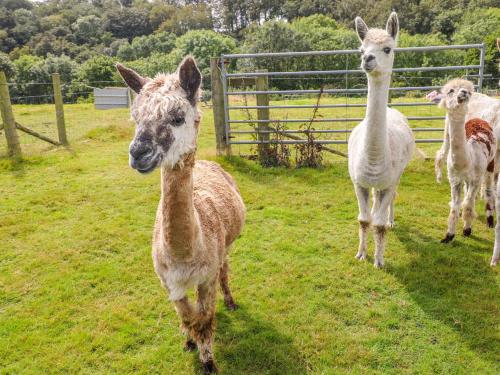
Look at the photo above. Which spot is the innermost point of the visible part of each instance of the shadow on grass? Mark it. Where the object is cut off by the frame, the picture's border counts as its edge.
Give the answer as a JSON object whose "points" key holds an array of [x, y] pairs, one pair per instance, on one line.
{"points": [[246, 344], [454, 284]]}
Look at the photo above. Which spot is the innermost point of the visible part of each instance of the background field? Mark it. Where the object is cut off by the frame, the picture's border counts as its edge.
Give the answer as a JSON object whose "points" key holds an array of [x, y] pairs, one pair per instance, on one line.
{"points": [[78, 293]]}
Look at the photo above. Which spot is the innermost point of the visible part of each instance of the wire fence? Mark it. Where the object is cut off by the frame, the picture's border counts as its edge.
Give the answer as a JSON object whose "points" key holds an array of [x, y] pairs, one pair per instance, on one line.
{"points": [[33, 108]]}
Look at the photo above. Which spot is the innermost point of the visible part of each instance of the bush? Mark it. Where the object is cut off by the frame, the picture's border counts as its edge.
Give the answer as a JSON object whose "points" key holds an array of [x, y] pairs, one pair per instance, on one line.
{"points": [[98, 71], [31, 69]]}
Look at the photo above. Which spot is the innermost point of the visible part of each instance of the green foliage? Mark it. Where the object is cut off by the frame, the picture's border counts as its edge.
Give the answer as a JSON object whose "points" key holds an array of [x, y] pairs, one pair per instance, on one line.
{"points": [[127, 22], [25, 25], [7, 66], [477, 25], [87, 29], [156, 63], [189, 17], [98, 71], [203, 45], [63, 65], [143, 46], [316, 21]]}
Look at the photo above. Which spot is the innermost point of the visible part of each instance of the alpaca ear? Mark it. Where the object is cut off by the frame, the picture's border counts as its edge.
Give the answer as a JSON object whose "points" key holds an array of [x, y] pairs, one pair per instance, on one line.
{"points": [[434, 97], [131, 78], [392, 26], [361, 28], [190, 78]]}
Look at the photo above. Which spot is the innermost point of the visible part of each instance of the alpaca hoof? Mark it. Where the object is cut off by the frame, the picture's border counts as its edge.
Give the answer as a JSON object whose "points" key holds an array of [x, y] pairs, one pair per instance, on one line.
{"points": [[494, 262], [491, 222], [379, 263], [231, 306], [360, 256], [190, 346], [467, 232], [391, 224], [449, 237], [209, 367]]}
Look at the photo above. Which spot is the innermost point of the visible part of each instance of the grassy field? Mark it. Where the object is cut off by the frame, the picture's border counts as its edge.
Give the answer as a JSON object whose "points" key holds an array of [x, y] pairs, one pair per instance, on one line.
{"points": [[78, 293]]}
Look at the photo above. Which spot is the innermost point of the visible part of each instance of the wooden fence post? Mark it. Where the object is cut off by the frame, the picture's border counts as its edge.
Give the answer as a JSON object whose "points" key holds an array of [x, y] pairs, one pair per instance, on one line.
{"points": [[223, 148], [58, 101], [9, 123], [262, 84]]}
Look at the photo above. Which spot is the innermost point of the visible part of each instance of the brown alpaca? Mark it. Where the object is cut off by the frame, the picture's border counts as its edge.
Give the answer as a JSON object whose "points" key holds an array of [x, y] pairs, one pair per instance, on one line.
{"points": [[200, 213]]}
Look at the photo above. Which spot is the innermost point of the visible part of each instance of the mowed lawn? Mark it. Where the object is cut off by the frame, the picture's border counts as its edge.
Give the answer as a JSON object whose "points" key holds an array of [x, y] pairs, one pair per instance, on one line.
{"points": [[78, 293]]}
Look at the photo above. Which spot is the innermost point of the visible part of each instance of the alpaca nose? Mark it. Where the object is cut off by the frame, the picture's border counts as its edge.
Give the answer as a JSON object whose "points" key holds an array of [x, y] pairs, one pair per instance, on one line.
{"points": [[368, 58], [139, 150]]}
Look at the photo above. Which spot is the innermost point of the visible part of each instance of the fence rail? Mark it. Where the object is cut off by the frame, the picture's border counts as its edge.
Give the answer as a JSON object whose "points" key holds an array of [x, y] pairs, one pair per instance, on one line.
{"points": [[256, 85]]}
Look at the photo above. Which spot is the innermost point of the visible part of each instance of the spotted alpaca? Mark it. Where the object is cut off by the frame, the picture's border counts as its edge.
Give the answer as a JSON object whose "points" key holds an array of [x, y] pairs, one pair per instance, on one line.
{"points": [[471, 157], [201, 212]]}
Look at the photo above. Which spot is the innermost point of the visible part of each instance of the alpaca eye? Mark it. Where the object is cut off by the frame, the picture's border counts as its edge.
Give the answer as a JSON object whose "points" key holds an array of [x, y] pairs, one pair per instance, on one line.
{"points": [[451, 91], [362, 51], [387, 50], [178, 121]]}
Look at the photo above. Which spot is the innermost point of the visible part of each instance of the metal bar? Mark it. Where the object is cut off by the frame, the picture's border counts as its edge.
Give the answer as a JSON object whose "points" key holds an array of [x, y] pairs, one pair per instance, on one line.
{"points": [[481, 67], [319, 131], [329, 119], [224, 94], [349, 71], [321, 142], [331, 91], [416, 104], [344, 52]]}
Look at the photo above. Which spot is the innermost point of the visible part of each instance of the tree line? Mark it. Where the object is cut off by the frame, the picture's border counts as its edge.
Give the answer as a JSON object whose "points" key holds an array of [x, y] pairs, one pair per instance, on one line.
{"points": [[82, 39]]}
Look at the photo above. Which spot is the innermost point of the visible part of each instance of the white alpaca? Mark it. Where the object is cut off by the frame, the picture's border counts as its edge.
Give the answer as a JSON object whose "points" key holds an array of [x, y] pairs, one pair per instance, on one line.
{"points": [[471, 156], [381, 146]]}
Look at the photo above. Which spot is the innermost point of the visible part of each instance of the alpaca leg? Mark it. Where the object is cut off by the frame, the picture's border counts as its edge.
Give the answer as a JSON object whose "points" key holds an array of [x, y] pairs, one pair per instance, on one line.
{"points": [[364, 219], [391, 212], [456, 191], [186, 311], [224, 284], [468, 212], [381, 204], [496, 248], [203, 326], [489, 192]]}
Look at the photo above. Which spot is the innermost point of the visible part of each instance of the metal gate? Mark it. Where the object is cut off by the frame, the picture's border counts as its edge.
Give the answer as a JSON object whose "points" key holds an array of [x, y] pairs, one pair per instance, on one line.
{"points": [[343, 96]]}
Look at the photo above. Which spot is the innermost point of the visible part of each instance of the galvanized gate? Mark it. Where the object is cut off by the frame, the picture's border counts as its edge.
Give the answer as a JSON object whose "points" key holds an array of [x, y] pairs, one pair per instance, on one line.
{"points": [[244, 127]]}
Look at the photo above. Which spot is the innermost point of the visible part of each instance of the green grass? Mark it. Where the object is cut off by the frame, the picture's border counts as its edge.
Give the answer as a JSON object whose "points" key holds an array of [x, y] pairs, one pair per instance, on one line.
{"points": [[78, 293]]}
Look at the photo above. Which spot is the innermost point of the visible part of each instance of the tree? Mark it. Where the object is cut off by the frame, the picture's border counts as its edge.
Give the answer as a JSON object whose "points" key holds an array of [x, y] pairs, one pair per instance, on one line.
{"points": [[189, 17], [63, 65], [87, 29], [127, 22], [143, 46], [203, 44], [25, 26], [7, 66]]}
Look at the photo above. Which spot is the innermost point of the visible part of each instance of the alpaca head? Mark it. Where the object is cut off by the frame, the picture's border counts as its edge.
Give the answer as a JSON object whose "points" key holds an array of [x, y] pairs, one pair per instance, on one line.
{"points": [[165, 114], [377, 45], [455, 95]]}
